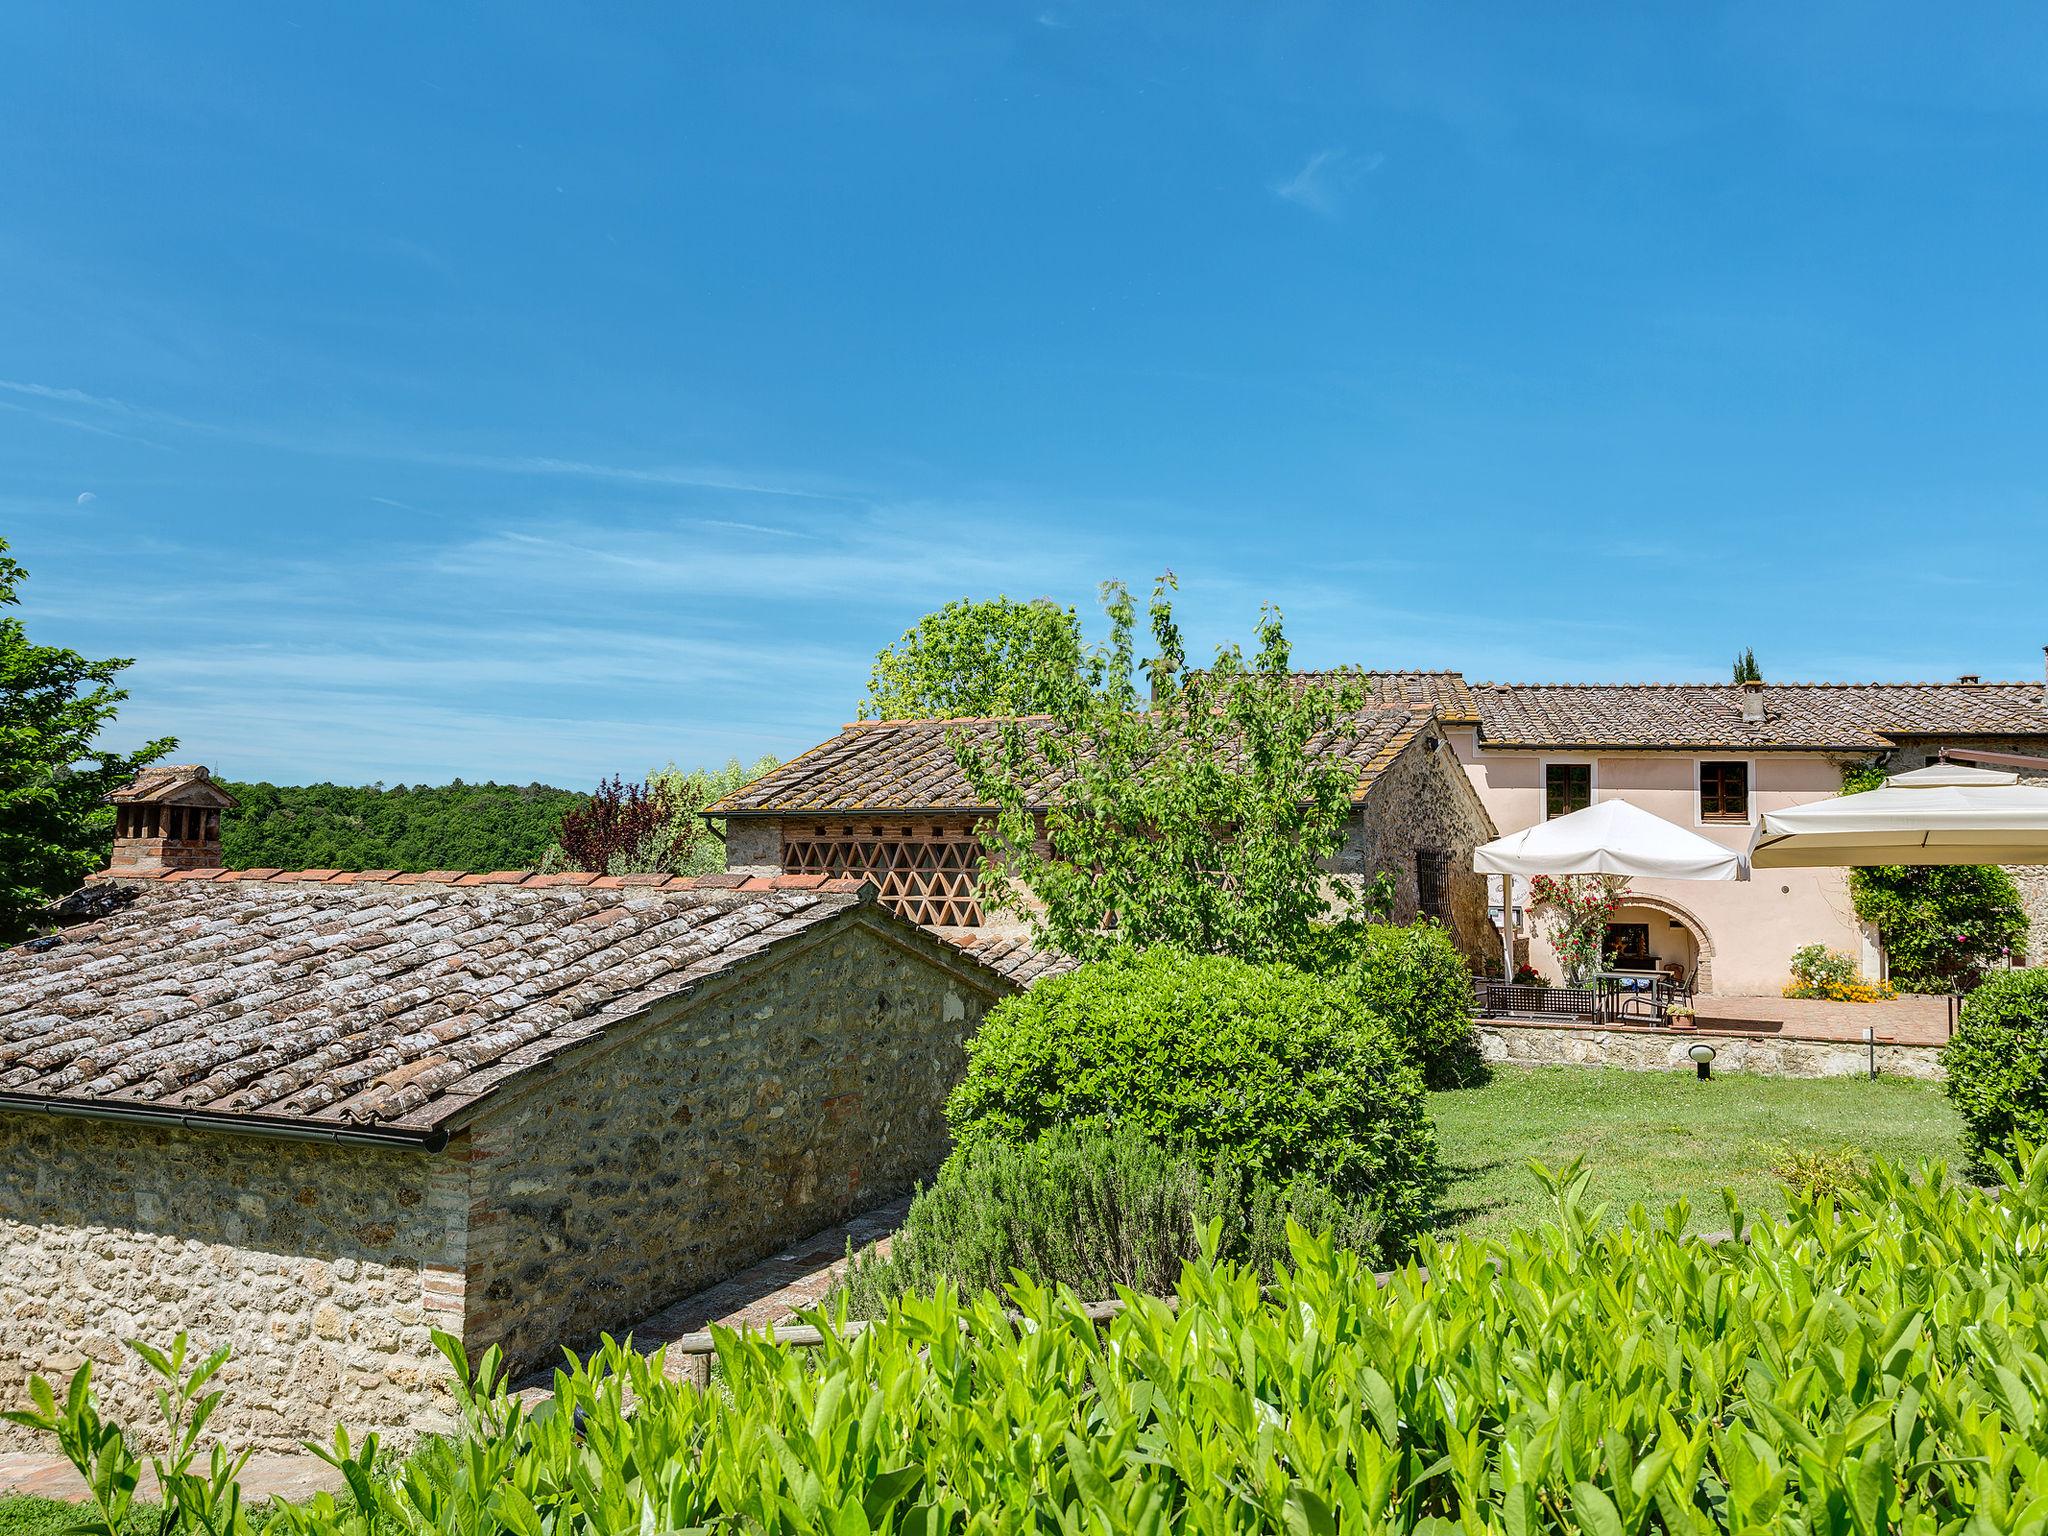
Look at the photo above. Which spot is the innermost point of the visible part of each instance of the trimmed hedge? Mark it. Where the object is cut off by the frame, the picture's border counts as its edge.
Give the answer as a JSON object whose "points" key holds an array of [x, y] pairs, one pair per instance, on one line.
{"points": [[1095, 1210], [1997, 1063], [1877, 1364], [1288, 1074], [1420, 985]]}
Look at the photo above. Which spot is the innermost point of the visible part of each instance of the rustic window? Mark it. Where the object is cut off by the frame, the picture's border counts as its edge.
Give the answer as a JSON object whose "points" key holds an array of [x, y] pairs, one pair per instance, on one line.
{"points": [[1724, 792], [1433, 883], [1567, 787]]}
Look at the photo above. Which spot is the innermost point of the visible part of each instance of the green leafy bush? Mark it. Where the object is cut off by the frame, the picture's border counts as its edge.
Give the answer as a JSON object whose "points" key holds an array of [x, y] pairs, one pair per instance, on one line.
{"points": [[1997, 1063], [1095, 1210], [1419, 985], [1942, 924], [1875, 1365], [1288, 1074]]}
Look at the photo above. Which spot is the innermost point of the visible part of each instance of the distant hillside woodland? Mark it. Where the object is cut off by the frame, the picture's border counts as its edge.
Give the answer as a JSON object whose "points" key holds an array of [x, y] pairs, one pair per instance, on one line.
{"points": [[469, 827], [446, 826]]}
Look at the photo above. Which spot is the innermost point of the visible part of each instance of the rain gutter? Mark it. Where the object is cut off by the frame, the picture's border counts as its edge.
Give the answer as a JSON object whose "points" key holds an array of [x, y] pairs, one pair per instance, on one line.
{"points": [[227, 1125]]}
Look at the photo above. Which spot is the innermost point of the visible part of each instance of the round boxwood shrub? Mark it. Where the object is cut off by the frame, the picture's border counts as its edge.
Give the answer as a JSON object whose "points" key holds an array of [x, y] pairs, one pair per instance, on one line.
{"points": [[1997, 1063], [1417, 982], [1286, 1072]]}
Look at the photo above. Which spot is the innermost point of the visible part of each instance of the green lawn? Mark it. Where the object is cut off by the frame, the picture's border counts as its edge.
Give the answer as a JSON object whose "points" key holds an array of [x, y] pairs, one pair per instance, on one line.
{"points": [[1656, 1136], [24, 1514]]}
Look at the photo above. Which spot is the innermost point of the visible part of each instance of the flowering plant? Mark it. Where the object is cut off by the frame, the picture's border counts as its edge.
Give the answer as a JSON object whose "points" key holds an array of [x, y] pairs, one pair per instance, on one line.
{"points": [[1573, 911]]}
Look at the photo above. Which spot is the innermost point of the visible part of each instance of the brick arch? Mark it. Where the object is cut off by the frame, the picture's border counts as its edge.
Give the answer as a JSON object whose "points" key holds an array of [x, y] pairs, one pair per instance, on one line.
{"points": [[1703, 973]]}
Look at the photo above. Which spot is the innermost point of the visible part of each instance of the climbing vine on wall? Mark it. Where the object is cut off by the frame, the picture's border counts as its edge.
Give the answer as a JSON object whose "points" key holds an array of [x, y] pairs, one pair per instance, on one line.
{"points": [[1941, 925]]}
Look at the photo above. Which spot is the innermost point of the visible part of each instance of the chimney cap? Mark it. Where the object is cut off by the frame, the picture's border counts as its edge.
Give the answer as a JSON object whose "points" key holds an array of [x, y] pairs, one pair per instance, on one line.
{"points": [[1753, 685], [1970, 677], [174, 784]]}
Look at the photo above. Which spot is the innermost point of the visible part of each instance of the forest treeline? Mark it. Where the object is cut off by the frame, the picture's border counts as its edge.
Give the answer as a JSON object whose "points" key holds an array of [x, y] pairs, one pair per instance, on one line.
{"points": [[442, 826], [470, 827]]}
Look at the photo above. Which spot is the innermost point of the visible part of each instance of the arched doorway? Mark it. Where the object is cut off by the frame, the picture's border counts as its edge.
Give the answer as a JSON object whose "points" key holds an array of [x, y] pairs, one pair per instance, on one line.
{"points": [[1662, 932]]}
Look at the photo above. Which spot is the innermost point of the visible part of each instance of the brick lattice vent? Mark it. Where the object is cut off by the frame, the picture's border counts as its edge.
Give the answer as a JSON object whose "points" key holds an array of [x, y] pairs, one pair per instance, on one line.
{"points": [[929, 872]]}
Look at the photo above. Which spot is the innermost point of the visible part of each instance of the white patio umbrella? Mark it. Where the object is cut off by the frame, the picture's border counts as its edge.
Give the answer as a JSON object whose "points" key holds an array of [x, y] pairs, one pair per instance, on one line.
{"points": [[1939, 815], [1610, 838]]}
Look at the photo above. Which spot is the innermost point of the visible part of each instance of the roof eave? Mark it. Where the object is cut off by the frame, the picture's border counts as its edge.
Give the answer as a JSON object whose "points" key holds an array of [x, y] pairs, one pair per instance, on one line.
{"points": [[170, 1117]]}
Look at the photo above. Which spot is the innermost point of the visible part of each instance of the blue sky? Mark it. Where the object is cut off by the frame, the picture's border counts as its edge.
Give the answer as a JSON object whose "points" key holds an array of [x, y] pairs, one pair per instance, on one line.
{"points": [[533, 392]]}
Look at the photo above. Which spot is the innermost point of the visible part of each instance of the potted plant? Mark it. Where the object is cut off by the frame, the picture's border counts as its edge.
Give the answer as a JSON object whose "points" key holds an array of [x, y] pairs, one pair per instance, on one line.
{"points": [[1679, 1016]]}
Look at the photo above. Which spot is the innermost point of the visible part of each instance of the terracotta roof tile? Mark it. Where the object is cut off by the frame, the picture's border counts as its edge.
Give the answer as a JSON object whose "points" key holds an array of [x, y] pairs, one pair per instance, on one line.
{"points": [[909, 765], [1854, 717], [390, 1002], [1014, 958]]}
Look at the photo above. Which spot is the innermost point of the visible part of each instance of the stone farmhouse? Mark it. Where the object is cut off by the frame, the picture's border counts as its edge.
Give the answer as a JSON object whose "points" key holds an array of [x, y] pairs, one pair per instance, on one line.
{"points": [[314, 1115], [886, 801], [1712, 758]]}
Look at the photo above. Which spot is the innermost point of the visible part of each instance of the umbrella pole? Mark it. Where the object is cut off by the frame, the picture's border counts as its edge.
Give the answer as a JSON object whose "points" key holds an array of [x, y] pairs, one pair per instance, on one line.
{"points": [[1507, 929]]}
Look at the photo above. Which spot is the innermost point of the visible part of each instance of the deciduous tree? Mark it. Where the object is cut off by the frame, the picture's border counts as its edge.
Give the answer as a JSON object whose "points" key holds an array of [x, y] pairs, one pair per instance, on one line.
{"points": [[55, 825], [992, 657], [1200, 822]]}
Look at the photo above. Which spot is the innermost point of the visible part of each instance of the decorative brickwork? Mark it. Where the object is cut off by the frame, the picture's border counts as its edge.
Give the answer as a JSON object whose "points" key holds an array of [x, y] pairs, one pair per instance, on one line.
{"points": [[928, 869]]}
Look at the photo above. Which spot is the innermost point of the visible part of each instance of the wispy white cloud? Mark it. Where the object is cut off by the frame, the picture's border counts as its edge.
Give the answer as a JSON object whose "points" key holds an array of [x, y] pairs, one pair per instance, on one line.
{"points": [[1326, 180], [78, 425]]}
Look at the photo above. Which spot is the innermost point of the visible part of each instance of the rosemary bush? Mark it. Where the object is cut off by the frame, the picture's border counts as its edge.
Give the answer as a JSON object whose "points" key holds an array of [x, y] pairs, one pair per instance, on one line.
{"points": [[1094, 1210]]}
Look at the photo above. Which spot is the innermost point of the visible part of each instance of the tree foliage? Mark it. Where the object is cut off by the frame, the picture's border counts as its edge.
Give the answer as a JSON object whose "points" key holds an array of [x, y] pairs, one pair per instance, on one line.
{"points": [[55, 825], [992, 657], [469, 827], [653, 829], [1200, 823], [1746, 669], [1941, 925]]}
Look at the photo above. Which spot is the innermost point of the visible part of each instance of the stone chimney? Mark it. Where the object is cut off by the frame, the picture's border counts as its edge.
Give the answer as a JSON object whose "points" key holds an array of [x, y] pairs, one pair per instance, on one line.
{"points": [[1753, 703], [169, 818]]}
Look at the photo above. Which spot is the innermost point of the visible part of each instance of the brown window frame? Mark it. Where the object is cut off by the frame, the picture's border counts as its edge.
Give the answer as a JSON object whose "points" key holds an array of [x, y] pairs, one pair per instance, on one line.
{"points": [[1714, 804], [1549, 795]]}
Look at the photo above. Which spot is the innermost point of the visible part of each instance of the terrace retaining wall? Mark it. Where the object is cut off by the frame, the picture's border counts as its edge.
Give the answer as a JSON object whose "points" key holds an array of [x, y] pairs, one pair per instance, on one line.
{"points": [[1640, 1049]]}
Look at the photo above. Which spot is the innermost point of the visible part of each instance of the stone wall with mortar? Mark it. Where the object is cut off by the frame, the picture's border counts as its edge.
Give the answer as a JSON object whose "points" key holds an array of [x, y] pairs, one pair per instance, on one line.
{"points": [[323, 1267], [1423, 801], [1664, 1050], [753, 845], [791, 1094]]}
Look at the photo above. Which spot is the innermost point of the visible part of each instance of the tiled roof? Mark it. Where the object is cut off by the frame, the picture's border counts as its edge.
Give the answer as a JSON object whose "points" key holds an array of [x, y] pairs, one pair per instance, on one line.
{"points": [[1014, 958], [379, 1000], [1856, 717], [908, 765], [1447, 693]]}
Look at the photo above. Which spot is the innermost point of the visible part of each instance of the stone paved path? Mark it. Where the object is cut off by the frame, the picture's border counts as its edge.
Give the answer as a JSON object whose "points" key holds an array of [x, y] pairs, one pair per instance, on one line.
{"points": [[770, 1292]]}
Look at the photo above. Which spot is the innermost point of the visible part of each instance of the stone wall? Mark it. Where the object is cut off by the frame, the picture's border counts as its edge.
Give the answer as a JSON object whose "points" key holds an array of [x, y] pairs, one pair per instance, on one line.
{"points": [[753, 845], [1664, 1050], [1423, 801], [323, 1267], [795, 1093]]}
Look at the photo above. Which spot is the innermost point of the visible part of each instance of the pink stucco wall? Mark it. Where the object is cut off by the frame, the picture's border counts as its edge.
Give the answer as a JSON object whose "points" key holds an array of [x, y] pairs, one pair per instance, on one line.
{"points": [[1747, 930]]}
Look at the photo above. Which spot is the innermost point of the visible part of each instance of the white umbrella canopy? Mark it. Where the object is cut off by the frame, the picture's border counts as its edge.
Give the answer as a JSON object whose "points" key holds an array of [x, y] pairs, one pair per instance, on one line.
{"points": [[1611, 838], [1939, 815]]}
